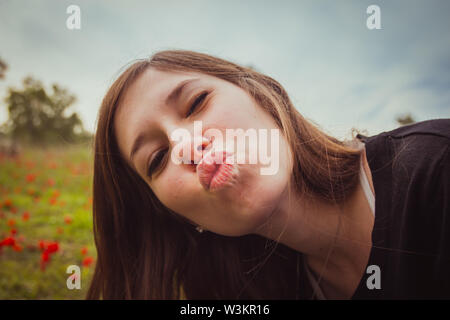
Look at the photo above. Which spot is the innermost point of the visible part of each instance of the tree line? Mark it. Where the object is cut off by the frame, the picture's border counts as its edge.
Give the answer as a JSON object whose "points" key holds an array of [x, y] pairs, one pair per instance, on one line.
{"points": [[40, 116]]}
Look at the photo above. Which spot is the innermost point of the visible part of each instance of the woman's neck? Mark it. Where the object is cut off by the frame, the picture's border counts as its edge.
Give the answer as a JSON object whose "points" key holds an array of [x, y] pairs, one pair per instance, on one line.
{"points": [[338, 236]]}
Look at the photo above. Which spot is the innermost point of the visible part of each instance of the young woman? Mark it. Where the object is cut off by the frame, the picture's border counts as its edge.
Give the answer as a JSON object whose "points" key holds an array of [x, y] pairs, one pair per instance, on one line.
{"points": [[208, 229]]}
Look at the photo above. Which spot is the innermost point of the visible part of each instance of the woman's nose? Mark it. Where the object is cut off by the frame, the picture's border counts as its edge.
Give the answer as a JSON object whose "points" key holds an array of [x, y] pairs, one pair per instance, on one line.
{"points": [[195, 149]]}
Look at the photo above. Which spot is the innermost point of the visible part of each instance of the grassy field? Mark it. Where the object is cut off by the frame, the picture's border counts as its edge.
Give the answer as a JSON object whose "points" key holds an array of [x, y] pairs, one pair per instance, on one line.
{"points": [[45, 223]]}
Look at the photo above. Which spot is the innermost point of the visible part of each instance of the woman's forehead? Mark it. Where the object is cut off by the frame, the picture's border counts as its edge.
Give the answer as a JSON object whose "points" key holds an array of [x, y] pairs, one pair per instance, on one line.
{"points": [[149, 90], [155, 84]]}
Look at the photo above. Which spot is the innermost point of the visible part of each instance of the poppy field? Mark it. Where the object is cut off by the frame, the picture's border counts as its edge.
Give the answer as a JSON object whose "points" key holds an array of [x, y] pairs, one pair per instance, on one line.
{"points": [[45, 222]]}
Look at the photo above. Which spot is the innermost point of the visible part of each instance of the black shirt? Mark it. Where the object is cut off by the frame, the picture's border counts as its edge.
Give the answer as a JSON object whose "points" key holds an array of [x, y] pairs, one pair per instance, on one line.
{"points": [[410, 169]]}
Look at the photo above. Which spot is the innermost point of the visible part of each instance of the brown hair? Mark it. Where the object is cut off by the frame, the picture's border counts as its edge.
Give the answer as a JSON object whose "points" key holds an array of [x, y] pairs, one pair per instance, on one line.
{"points": [[146, 251]]}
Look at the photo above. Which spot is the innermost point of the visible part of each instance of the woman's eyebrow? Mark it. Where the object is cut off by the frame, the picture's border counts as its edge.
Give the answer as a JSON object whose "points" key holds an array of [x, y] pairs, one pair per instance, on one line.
{"points": [[171, 99]]}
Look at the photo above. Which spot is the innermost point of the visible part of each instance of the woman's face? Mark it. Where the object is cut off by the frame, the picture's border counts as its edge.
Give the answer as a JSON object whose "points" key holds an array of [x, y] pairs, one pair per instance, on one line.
{"points": [[151, 113]]}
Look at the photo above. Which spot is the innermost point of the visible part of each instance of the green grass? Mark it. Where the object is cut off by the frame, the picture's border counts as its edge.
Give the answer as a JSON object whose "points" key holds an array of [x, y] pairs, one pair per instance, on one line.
{"points": [[59, 204]]}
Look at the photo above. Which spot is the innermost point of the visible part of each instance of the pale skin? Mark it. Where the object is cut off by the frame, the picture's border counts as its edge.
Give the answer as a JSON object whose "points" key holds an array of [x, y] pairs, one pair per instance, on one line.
{"points": [[252, 203]]}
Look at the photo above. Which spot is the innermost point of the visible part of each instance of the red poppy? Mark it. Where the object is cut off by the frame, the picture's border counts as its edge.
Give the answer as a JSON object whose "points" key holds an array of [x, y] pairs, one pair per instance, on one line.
{"points": [[52, 201], [25, 216], [52, 247], [13, 231], [47, 249], [87, 261], [30, 177], [56, 194], [7, 203], [9, 241], [84, 251], [45, 257], [50, 182], [68, 219], [41, 244], [11, 222]]}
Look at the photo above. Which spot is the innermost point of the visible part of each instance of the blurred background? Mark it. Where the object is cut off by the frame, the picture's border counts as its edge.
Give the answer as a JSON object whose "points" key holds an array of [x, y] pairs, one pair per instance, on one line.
{"points": [[343, 67]]}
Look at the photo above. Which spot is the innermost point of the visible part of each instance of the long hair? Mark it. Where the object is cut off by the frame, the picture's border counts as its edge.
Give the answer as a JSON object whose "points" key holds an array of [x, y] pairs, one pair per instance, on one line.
{"points": [[147, 251]]}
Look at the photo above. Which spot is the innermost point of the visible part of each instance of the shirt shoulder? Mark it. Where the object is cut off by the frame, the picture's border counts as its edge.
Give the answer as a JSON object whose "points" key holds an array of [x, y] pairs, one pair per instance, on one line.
{"points": [[411, 174], [419, 147], [409, 164], [436, 127]]}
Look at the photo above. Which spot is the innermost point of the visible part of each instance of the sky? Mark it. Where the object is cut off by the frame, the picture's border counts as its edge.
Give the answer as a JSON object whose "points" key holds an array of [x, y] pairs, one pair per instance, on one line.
{"points": [[338, 73]]}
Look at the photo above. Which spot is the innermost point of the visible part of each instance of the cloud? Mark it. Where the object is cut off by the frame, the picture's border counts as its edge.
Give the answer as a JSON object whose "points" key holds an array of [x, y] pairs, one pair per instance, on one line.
{"points": [[337, 72]]}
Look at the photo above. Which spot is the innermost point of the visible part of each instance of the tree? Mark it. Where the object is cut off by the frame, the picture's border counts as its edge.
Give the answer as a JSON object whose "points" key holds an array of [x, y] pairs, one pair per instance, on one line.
{"points": [[405, 119], [3, 68], [38, 117]]}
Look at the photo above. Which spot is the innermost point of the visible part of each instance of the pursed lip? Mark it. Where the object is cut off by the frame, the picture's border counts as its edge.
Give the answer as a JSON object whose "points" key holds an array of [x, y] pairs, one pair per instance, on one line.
{"points": [[212, 170]]}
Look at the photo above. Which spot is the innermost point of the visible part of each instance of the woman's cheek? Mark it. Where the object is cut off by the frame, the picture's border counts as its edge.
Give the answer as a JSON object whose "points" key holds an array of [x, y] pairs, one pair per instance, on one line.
{"points": [[173, 192]]}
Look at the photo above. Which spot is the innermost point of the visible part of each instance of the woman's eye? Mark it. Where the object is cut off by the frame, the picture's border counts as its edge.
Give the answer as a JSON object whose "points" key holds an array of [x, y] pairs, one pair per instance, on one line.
{"points": [[197, 102], [156, 162]]}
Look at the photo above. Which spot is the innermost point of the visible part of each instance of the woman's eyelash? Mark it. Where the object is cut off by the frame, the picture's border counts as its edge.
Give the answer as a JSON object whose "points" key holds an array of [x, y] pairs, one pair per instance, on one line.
{"points": [[155, 164], [197, 102]]}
